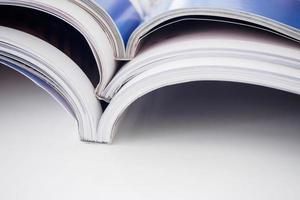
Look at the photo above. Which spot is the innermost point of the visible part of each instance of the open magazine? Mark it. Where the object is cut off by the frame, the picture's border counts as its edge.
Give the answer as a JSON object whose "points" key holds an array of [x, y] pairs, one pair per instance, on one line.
{"points": [[96, 57]]}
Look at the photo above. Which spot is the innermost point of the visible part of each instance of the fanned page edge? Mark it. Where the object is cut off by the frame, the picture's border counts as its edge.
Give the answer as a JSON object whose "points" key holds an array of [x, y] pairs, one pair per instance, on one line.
{"points": [[89, 26], [30, 56], [169, 16], [104, 38], [169, 64]]}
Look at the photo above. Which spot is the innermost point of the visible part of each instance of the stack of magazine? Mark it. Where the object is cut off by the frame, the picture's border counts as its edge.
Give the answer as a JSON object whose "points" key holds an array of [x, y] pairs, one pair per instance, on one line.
{"points": [[96, 57]]}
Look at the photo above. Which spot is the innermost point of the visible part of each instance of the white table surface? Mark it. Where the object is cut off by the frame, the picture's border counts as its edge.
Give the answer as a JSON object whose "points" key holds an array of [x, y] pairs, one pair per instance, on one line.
{"points": [[226, 141]]}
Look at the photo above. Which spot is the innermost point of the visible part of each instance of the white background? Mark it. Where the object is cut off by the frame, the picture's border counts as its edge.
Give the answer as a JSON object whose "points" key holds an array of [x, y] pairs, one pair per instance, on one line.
{"points": [[225, 141]]}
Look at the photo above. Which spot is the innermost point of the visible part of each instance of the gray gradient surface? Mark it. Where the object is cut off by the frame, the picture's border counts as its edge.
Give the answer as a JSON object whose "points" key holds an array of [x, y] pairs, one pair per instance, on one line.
{"points": [[224, 141]]}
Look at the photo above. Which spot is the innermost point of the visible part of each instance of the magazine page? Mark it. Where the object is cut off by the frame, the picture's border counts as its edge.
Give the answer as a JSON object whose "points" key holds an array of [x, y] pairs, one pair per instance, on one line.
{"points": [[280, 17], [39, 82], [227, 52], [151, 8], [285, 12], [54, 72], [124, 15], [175, 37], [85, 23]]}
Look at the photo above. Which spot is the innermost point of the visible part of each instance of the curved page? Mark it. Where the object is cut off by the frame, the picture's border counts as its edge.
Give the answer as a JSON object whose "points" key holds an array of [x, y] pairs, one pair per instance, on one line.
{"points": [[54, 71], [86, 24], [230, 54], [124, 15], [39, 82], [282, 11], [279, 16]]}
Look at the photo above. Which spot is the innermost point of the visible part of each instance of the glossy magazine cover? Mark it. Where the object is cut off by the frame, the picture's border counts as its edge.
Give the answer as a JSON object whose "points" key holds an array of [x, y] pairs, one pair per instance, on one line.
{"points": [[127, 18]]}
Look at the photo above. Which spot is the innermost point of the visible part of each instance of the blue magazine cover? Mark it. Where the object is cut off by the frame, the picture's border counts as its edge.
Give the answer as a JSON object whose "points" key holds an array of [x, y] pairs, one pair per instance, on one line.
{"points": [[127, 18]]}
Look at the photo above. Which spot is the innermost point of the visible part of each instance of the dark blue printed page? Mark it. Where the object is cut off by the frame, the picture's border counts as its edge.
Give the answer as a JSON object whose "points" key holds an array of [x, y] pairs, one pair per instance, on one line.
{"points": [[129, 14], [124, 14]]}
